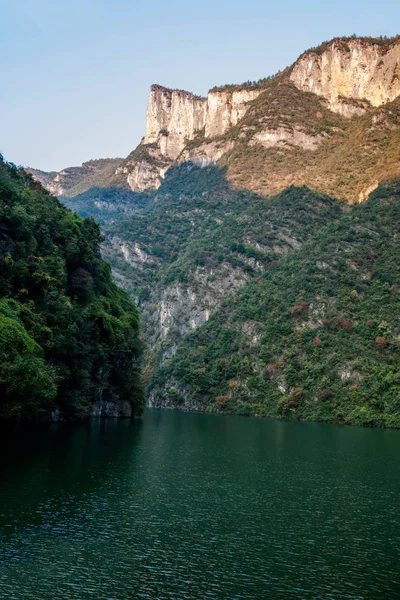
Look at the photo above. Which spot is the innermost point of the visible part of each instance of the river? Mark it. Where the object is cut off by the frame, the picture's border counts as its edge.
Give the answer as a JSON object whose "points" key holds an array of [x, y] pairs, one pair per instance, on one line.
{"points": [[191, 506]]}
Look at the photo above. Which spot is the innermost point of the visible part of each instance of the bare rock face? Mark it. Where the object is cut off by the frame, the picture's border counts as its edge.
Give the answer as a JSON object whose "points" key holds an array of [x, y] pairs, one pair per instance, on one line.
{"points": [[142, 175], [226, 108], [173, 118], [206, 154], [282, 136], [354, 69]]}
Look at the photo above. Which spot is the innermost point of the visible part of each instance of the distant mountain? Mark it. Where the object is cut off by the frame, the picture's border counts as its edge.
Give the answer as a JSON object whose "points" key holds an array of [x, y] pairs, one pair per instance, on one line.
{"points": [[74, 180]]}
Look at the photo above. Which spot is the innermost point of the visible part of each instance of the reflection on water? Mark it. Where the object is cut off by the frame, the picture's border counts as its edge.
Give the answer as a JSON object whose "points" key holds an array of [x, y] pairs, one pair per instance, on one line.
{"points": [[197, 506]]}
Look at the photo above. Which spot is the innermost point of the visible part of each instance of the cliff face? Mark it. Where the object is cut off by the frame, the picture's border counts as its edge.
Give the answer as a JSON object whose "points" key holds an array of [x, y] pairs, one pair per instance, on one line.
{"points": [[351, 77], [354, 69], [226, 108], [175, 117]]}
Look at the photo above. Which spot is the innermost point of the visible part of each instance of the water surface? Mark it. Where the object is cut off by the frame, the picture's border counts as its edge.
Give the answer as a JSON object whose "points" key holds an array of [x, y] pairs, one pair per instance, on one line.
{"points": [[188, 506]]}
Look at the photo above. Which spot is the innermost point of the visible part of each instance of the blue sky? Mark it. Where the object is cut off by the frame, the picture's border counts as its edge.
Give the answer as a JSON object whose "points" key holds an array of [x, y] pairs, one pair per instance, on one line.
{"points": [[75, 74]]}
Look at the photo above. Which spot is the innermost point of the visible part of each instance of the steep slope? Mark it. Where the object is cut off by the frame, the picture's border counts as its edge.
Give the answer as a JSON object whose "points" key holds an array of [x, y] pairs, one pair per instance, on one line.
{"points": [[317, 337], [68, 334], [199, 241], [290, 138]]}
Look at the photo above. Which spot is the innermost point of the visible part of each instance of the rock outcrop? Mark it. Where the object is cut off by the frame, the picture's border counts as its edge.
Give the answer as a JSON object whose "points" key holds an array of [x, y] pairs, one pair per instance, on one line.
{"points": [[75, 180], [175, 117], [225, 108], [354, 69]]}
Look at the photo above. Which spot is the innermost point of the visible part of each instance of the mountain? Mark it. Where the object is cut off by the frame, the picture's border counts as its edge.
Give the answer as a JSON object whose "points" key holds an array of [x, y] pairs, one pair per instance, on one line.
{"points": [[75, 180], [330, 121], [316, 336], [228, 225], [68, 335]]}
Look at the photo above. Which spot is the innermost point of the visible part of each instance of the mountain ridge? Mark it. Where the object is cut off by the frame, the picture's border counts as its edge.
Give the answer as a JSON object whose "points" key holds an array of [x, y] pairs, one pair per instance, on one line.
{"points": [[351, 77]]}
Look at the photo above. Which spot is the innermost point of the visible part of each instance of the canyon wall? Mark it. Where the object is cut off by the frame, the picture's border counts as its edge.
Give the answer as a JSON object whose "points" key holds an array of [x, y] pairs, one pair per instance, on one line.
{"points": [[175, 117], [349, 76]]}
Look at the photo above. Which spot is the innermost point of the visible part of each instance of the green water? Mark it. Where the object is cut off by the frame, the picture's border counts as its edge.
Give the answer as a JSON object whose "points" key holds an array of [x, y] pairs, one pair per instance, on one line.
{"points": [[197, 506]]}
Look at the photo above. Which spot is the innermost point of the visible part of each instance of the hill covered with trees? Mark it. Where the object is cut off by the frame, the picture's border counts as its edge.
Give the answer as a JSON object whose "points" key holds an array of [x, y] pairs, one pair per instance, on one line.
{"points": [[69, 341]]}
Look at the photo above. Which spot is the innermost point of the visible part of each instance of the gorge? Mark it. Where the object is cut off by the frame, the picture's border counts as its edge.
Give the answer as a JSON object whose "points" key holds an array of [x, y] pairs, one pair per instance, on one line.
{"points": [[256, 228]]}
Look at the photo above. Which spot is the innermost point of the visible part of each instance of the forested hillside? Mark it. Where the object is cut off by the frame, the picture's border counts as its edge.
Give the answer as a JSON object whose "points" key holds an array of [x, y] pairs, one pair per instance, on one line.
{"points": [[316, 337], [69, 336]]}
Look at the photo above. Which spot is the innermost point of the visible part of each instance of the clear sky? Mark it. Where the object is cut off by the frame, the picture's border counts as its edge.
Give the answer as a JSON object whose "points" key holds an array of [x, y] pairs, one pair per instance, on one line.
{"points": [[75, 74]]}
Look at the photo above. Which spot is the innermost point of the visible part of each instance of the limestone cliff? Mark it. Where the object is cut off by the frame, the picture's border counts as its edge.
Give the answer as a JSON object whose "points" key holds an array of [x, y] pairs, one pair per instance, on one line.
{"points": [[225, 108], [173, 118], [354, 69]]}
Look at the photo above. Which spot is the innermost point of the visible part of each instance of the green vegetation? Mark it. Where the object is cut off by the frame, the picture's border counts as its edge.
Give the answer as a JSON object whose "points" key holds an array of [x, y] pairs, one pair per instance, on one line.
{"points": [[315, 337], [68, 334], [106, 204]]}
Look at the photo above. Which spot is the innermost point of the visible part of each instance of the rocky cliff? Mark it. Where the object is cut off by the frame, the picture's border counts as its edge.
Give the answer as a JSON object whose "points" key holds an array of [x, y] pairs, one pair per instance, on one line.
{"points": [[350, 76], [352, 69], [175, 117]]}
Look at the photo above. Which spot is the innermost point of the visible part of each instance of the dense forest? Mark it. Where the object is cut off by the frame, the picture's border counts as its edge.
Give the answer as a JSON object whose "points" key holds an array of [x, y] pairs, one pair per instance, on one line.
{"points": [[69, 336], [283, 306], [315, 336]]}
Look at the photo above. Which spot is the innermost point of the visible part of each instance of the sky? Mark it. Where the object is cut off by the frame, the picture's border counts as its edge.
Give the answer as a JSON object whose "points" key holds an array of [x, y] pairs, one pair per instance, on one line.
{"points": [[75, 74]]}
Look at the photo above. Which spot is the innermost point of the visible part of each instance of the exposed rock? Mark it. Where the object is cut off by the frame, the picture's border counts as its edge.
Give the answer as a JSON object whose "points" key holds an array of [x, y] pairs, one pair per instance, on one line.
{"points": [[356, 69], [133, 254], [144, 176], [75, 180], [347, 372], [206, 154], [184, 309], [226, 108], [173, 118], [364, 194], [270, 138]]}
